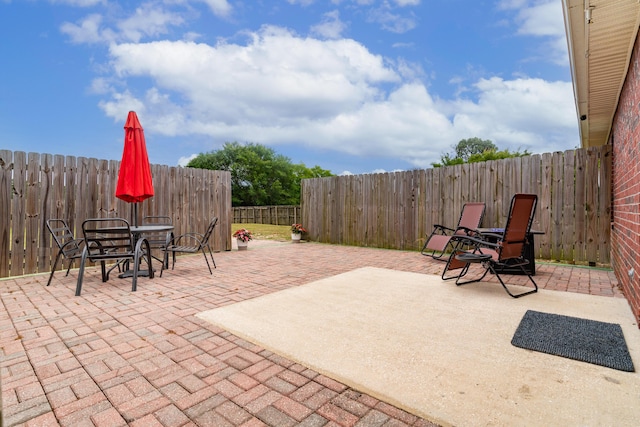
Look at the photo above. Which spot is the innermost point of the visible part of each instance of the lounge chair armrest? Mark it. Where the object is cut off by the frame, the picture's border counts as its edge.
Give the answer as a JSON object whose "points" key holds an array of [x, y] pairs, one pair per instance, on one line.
{"points": [[496, 236], [442, 228], [469, 231], [475, 241]]}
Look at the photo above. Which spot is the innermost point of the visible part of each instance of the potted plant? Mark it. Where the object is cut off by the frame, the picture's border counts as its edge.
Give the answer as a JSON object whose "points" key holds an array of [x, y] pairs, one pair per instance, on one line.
{"points": [[296, 232], [243, 236]]}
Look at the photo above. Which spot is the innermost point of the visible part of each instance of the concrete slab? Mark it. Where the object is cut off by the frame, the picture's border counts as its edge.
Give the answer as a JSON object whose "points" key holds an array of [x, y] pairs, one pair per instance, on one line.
{"points": [[442, 352]]}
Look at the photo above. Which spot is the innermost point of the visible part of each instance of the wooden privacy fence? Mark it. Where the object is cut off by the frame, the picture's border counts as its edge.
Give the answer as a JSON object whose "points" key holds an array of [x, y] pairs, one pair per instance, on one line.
{"points": [[397, 210], [276, 215], [36, 187]]}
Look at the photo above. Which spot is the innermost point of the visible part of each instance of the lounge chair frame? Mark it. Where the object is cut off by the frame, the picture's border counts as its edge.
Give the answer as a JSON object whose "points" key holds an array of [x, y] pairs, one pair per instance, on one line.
{"points": [[439, 242], [507, 250]]}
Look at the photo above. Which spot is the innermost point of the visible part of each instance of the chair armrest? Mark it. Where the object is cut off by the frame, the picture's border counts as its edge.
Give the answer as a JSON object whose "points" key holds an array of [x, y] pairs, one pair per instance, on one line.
{"points": [[475, 241], [469, 231], [77, 242], [188, 236], [442, 228], [496, 236]]}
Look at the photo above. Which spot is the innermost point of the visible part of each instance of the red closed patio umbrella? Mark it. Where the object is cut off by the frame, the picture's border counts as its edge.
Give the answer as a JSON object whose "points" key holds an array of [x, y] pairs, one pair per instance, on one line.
{"points": [[134, 178]]}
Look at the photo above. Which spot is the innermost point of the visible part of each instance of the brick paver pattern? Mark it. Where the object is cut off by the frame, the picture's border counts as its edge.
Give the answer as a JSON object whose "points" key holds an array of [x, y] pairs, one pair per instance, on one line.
{"points": [[113, 357]]}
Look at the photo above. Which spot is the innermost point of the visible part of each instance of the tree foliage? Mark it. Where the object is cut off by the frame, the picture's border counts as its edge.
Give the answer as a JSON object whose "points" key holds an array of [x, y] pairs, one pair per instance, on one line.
{"points": [[259, 176], [474, 150]]}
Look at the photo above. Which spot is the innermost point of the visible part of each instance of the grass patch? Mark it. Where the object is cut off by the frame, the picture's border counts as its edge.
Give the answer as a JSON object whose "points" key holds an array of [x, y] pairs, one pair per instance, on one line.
{"points": [[266, 231]]}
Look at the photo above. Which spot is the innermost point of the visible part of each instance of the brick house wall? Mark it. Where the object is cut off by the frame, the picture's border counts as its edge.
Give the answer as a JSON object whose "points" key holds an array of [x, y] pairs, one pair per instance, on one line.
{"points": [[625, 141]]}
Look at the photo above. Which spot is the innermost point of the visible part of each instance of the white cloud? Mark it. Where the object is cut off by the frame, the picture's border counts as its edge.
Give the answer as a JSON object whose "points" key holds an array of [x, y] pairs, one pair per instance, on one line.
{"points": [[184, 161], [331, 26], [79, 3], [403, 3], [301, 2], [147, 21], [88, 31], [510, 113], [333, 95], [220, 8], [392, 22], [542, 18]]}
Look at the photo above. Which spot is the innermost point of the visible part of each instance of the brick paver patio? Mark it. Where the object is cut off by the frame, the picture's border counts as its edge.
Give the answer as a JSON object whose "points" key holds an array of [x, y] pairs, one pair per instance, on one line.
{"points": [[114, 358]]}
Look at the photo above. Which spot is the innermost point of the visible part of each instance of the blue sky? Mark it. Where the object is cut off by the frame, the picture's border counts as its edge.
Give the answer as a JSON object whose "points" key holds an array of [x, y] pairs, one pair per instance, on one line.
{"points": [[353, 86]]}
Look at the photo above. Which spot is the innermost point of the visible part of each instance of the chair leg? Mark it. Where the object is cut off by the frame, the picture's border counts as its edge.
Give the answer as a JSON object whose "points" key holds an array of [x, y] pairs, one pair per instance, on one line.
{"points": [[68, 268], [136, 265], [211, 255], [454, 264], [53, 269], [535, 285], [103, 269], [165, 261], [464, 272], [146, 255], [81, 272], [149, 261], [205, 258]]}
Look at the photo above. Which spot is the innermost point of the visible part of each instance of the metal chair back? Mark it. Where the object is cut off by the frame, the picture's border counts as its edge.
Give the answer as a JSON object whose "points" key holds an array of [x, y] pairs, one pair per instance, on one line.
{"points": [[68, 246], [110, 239]]}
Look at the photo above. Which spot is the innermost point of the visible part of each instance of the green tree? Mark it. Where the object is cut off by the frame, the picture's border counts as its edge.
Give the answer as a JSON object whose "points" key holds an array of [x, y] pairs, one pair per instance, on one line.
{"points": [[259, 176], [473, 150], [470, 146]]}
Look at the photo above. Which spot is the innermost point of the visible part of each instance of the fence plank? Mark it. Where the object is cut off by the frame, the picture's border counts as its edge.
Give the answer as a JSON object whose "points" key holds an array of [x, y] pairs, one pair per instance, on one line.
{"points": [[18, 214], [556, 205], [604, 207], [568, 208], [6, 194], [580, 201], [32, 210], [590, 205], [48, 208]]}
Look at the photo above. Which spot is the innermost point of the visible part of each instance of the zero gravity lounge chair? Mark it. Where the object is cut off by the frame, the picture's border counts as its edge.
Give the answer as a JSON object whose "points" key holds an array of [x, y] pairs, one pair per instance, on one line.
{"points": [[439, 241], [506, 250]]}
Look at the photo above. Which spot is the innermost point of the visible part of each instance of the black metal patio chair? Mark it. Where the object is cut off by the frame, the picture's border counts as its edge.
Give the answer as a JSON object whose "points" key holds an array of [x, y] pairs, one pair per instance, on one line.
{"points": [[191, 243], [111, 240], [69, 247]]}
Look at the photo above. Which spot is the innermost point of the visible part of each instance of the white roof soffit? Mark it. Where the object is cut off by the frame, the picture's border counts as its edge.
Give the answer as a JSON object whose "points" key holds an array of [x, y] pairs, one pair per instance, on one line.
{"points": [[601, 35]]}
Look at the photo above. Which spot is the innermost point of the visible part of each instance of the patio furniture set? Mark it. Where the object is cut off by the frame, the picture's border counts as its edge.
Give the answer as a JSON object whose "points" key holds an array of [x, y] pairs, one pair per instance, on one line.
{"points": [[115, 242], [508, 250]]}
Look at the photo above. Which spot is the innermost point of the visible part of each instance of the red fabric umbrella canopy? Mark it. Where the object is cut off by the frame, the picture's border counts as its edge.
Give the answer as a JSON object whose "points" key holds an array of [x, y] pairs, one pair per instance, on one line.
{"points": [[134, 178]]}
